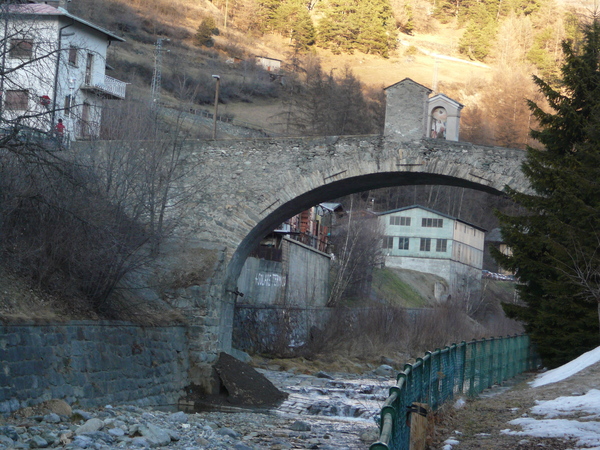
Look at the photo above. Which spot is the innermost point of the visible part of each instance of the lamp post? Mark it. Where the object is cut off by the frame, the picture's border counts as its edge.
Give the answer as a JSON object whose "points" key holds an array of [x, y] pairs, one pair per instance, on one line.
{"points": [[218, 78]]}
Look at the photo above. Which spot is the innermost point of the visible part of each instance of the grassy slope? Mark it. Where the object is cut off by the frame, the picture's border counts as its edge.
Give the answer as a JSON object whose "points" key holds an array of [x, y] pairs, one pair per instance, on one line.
{"points": [[405, 288], [410, 289]]}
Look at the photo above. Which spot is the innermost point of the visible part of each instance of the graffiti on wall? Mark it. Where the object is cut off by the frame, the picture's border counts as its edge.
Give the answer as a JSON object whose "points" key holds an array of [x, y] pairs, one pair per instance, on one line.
{"points": [[269, 279]]}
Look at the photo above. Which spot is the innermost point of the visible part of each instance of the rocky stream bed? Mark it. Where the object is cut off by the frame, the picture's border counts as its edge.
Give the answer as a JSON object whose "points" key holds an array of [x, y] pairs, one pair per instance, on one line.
{"points": [[321, 411]]}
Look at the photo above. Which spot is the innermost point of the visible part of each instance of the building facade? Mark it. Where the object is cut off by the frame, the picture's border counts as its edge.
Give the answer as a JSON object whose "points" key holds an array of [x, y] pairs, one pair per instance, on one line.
{"points": [[418, 238], [411, 114], [54, 67]]}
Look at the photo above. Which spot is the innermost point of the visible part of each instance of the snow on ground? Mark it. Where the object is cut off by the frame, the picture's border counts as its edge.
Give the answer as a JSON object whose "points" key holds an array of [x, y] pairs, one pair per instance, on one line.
{"points": [[587, 434], [565, 406], [571, 368], [581, 408]]}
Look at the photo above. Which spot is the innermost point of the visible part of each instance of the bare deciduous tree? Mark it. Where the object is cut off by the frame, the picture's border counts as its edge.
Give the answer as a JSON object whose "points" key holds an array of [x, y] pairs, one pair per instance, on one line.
{"points": [[357, 250]]}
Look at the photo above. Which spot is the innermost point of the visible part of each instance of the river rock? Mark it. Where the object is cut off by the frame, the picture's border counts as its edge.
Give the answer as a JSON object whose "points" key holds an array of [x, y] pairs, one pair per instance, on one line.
{"points": [[38, 442], [385, 370], [300, 425], [90, 426], [245, 385], [154, 435], [325, 375]]}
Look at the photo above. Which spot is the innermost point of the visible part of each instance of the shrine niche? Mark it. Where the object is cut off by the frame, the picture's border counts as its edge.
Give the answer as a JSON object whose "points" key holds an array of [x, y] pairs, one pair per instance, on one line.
{"points": [[443, 117]]}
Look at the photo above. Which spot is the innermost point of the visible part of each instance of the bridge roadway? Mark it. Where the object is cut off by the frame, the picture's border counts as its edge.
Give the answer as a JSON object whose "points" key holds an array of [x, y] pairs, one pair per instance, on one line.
{"points": [[251, 186]]}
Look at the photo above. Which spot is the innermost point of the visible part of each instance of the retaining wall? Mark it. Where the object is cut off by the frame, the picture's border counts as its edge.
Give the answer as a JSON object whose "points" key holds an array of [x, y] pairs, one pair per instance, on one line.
{"points": [[92, 363], [266, 328]]}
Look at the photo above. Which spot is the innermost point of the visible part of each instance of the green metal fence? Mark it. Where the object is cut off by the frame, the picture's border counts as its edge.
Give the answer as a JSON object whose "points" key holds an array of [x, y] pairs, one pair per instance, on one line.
{"points": [[467, 368]]}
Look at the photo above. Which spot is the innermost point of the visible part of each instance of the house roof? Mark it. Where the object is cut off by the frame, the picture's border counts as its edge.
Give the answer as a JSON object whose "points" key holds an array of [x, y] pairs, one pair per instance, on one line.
{"points": [[267, 57], [406, 80], [448, 99], [332, 206], [42, 9], [406, 208]]}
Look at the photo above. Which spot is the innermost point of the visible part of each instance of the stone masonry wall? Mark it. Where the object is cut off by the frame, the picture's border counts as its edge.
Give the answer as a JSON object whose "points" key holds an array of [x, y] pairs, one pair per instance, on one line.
{"points": [[247, 187], [91, 364]]}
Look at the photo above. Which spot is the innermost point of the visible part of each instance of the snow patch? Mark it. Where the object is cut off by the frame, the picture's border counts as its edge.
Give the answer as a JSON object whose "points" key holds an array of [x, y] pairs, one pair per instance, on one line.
{"points": [[569, 369], [587, 434]]}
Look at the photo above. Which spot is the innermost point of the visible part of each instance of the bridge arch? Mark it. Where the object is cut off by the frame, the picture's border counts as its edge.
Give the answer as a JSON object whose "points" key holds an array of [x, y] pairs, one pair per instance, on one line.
{"points": [[260, 183], [332, 191]]}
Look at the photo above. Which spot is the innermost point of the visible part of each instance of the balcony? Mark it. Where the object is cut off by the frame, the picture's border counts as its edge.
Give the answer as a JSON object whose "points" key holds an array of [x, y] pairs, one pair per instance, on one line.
{"points": [[111, 88], [283, 228]]}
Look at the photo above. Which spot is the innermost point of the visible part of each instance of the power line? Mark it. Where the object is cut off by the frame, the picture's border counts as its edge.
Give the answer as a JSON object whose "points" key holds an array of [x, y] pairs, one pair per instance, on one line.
{"points": [[157, 76]]}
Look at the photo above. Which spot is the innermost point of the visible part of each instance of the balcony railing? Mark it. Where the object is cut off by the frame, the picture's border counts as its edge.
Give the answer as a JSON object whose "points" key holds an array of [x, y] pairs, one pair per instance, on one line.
{"points": [[111, 87]]}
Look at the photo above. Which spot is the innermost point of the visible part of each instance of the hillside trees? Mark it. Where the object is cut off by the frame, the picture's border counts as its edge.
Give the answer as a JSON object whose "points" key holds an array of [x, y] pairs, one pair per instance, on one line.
{"points": [[331, 104], [348, 25], [557, 238], [292, 20]]}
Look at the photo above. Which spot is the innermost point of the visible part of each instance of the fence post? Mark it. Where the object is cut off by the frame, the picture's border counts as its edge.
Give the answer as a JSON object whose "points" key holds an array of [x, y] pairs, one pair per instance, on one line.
{"points": [[473, 346], [463, 367], [501, 355]]}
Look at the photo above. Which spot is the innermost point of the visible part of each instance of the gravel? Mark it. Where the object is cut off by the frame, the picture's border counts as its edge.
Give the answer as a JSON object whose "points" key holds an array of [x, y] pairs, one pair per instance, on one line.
{"points": [[288, 426]]}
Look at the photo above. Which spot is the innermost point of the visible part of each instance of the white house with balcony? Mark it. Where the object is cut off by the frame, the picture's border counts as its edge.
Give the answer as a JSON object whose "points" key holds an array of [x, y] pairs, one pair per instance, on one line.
{"points": [[424, 240], [53, 67]]}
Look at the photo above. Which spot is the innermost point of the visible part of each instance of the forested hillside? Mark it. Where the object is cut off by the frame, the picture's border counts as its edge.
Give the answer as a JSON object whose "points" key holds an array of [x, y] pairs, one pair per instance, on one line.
{"points": [[338, 54]]}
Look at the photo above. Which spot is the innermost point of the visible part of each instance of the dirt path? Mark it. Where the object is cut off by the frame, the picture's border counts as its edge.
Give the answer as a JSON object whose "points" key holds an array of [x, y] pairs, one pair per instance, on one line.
{"points": [[479, 423]]}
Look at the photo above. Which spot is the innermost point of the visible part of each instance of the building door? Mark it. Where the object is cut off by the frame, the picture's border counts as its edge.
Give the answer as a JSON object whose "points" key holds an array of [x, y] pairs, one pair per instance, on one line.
{"points": [[88, 69]]}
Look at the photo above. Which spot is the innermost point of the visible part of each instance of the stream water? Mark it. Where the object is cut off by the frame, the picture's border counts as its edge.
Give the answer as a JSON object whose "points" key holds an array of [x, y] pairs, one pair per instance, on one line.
{"points": [[346, 404]]}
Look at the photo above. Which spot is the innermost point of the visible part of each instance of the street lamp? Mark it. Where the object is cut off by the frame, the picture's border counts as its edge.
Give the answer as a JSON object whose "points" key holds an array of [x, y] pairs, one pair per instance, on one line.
{"points": [[218, 78]]}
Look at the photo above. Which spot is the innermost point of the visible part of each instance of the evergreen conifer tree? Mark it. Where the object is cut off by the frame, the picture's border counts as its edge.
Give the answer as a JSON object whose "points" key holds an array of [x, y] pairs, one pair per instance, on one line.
{"points": [[293, 20], [205, 32], [556, 244], [347, 25]]}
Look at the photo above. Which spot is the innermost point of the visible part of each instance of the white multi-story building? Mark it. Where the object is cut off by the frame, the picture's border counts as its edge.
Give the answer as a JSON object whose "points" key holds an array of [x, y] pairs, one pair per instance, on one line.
{"points": [[418, 238], [53, 67]]}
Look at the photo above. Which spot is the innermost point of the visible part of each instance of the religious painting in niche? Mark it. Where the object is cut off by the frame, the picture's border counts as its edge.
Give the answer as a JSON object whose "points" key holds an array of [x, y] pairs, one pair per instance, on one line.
{"points": [[438, 123]]}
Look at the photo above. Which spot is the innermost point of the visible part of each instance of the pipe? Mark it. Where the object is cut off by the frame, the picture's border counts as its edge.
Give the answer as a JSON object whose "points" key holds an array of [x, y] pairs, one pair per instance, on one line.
{"points": [[53, 120]]}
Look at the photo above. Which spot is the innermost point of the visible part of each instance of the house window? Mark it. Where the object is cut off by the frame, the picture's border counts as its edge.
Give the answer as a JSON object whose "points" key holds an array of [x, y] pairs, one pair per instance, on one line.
{"points": [[89, 64], [425, 244], [432, 223], [17, 100], [402, 221], [403, 243], [67, 106], [388, 242], [441, 245], [73, 56], [21, 48]]}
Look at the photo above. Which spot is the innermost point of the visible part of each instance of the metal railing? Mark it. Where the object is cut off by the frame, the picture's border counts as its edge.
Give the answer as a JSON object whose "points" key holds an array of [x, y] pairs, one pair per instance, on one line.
{"points": [[110, 85], [466, 368]]}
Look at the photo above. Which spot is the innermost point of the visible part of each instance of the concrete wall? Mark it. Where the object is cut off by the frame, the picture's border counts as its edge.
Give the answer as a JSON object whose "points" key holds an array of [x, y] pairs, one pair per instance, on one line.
{"points": [[92, 363], [282, 300], [439, 267], [308, 276], [301, 279], [262, 282], [274, 328]]}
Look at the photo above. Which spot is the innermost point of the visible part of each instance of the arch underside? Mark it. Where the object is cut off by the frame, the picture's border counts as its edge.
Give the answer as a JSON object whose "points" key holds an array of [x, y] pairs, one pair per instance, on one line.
{"points": [[332, 191]]}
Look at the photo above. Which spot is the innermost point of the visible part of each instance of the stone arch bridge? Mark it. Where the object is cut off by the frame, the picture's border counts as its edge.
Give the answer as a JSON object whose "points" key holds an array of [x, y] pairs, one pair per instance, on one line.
{"points": [[255, 185]]}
